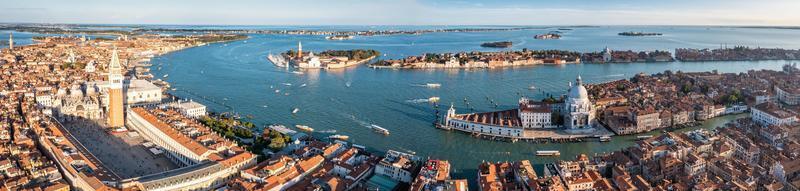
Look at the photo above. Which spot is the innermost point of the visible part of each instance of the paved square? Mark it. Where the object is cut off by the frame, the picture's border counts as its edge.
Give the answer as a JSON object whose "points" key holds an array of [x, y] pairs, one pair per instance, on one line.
{"points": [[118, 151]]}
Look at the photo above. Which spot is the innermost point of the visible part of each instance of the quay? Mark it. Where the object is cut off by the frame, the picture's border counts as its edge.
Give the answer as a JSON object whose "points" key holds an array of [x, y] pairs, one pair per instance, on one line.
{"points": [[541, 135]]}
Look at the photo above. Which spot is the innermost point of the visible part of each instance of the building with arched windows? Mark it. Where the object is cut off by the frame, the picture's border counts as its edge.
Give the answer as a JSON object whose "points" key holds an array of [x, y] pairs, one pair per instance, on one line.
{"points": [[576, 112]]}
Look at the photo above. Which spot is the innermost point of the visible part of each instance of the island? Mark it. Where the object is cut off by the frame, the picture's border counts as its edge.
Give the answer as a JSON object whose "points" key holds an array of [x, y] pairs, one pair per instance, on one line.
{"points": [[464, 60], [551, 35], [737, 53], [631, 33], [329, 59], [501, 44]]}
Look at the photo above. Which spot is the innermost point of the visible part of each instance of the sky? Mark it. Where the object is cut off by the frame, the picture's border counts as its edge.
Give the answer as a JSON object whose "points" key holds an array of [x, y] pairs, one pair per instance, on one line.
{"points": [[405, 12]]}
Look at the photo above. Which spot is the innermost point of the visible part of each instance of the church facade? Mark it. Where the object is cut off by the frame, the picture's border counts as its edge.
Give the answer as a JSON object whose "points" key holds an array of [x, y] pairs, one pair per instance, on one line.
{"points": [[577, 112]]}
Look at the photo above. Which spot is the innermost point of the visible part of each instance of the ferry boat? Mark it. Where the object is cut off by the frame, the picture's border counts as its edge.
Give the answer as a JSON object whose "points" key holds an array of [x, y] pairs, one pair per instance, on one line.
{"points": [[605, 139], [548, 153], [279, 61], [379, 129], [295, 110], [643, 137], [304, 128], [433, 85], [339, 137]]}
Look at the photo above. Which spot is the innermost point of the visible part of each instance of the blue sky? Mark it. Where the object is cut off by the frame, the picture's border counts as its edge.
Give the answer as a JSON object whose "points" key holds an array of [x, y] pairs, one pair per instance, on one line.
{"points": [[406, 12]]}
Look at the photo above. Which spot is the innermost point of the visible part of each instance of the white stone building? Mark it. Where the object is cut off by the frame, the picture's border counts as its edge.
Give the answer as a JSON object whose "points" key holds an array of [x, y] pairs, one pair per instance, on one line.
{"points": [[788, 95], [578, 110], [771, 114], [535, 114], [398, 166], [190, 108]]}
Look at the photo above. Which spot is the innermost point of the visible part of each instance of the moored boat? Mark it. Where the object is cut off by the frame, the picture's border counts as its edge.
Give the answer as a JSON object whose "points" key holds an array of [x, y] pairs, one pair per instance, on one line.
{"points": [[339, 137], [643, 137], [548, 153], [304, 128], [278, 60]]}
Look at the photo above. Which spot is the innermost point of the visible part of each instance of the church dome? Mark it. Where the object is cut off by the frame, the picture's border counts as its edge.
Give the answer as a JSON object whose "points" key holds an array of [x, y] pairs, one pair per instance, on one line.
{"points": [[578, 91]]}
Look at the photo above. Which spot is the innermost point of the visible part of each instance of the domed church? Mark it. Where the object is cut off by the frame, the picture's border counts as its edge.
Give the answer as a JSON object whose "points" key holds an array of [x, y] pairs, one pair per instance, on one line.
{"points": [[578, 111]]}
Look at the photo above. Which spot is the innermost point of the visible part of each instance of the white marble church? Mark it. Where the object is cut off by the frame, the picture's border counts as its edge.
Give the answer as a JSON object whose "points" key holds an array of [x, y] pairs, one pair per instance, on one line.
{"points": [[576, 113]]}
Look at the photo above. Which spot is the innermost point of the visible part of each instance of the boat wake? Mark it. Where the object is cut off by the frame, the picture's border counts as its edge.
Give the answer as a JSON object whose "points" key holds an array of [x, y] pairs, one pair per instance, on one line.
{"points": [[428, 100], [360, 122], [417, 101], [428, 85]]}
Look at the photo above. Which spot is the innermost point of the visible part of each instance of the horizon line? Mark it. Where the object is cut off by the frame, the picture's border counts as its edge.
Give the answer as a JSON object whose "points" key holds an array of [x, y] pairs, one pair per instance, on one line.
{"points": [[499, 25]]}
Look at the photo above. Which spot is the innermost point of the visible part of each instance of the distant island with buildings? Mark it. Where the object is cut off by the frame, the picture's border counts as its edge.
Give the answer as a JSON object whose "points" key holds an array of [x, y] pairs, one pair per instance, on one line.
{"points": [[526, 57], [631, 33], [329, 59], [501, 44], [550, 35]]}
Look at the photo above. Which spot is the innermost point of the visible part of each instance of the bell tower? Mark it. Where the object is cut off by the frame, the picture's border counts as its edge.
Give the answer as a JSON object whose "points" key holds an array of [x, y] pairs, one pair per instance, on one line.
{"points": [[116, 115]]}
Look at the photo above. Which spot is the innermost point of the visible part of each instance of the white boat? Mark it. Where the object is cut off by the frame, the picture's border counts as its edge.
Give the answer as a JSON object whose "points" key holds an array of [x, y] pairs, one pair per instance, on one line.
{"points": [[347, 84], [302, 85], [605, 139], [433, 99], [277, 91], [548, 153], [379, 129], [165, 76], [328, 131], [304, 128], [297, 72], [287, 84], [295, 110], [339, 137], [433, 85], [643, 137], [532, 87]]}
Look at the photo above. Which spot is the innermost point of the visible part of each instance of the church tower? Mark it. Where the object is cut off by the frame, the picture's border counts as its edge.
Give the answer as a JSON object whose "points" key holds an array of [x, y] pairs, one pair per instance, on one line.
{"points": [[116, 115], [299, 50]]}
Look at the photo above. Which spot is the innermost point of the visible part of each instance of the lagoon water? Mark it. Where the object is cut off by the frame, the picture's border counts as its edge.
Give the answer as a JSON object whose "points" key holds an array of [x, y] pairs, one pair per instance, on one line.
{"points": [[235, 76]]}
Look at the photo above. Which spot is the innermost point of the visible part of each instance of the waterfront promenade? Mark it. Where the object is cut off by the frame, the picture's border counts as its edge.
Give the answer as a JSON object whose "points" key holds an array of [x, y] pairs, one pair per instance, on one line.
{"points": [[545, 135]]}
